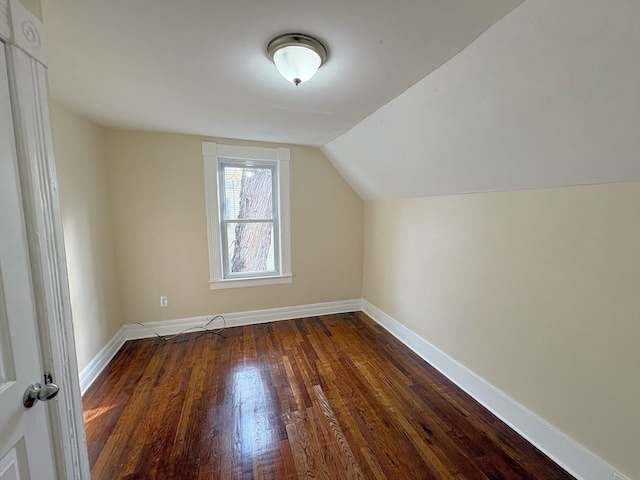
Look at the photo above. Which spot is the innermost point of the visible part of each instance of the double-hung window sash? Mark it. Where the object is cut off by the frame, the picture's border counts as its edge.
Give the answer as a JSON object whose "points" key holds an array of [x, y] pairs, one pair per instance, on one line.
{"points": [[249, 226]]}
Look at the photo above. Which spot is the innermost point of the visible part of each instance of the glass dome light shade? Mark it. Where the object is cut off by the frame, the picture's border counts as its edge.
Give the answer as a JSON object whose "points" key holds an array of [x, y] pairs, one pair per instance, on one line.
{"points": [[297, 63], [297, 56]]}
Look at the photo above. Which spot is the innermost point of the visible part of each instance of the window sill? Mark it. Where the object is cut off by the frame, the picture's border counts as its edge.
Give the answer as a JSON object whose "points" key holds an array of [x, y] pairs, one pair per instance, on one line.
{"points": [[249, 282]]}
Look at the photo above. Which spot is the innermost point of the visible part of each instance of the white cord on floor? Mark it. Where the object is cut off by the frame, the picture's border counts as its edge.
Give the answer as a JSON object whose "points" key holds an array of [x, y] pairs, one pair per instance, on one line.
{"points": [[204, 327]]}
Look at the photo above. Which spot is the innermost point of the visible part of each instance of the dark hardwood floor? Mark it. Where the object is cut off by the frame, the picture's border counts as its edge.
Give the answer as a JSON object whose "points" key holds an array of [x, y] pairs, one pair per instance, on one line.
{"points": [[326, 397]]}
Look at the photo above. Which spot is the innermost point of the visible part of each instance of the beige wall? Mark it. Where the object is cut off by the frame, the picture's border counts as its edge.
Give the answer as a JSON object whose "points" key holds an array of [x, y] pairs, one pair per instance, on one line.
{"points": [[81, 167], [537, 292], [158, 205]]}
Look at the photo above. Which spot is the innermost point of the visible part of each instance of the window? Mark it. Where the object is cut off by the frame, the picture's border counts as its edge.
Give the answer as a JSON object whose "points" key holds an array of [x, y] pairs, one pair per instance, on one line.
{"points": [[247, 194]]}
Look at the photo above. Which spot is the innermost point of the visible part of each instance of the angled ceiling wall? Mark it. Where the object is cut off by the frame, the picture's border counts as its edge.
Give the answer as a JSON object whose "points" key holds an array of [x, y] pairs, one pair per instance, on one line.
{"points": [[548, 96], [201, 68]]}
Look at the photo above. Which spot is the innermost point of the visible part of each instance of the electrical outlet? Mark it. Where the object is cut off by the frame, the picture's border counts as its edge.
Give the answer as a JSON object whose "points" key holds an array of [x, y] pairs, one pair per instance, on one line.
{"points": [[164, 301]]}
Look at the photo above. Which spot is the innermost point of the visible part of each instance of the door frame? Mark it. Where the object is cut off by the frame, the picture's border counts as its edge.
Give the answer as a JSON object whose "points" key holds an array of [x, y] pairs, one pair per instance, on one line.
{"points": [[22, 36]]}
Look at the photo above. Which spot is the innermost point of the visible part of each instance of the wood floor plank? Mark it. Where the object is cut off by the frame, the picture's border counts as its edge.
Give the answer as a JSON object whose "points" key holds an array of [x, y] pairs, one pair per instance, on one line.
{"points": [[349, 463], [329, 397]]}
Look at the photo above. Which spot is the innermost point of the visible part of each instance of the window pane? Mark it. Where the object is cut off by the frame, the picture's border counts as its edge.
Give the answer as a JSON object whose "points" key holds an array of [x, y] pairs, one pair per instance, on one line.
{"points": [[250, 247], [248, 193]]}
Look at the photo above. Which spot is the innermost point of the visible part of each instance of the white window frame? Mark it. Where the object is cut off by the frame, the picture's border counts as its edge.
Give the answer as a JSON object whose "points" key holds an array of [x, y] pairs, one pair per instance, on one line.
{"points": [[214, 155]]}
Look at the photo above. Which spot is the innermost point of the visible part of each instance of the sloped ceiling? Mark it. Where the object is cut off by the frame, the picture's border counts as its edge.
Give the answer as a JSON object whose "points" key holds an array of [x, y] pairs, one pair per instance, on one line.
{"points": [[548, 96], [200, 67]]}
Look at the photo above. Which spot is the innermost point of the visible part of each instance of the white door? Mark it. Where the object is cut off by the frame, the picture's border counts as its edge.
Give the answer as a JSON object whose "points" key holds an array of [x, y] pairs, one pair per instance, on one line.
{"points": [[25, 437]]}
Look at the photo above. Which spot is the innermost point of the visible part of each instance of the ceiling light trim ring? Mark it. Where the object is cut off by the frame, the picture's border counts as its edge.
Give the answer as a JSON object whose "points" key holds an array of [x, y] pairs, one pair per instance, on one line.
{"points": [[297, 40]]}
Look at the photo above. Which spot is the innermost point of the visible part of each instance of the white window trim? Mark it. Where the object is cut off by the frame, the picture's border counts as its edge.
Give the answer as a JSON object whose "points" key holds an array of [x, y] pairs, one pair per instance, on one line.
{"points": [[211, 151]]}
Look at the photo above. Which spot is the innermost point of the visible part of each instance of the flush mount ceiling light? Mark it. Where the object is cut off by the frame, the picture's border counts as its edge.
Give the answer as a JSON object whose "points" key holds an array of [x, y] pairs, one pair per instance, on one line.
{"points": [[297, 56]]}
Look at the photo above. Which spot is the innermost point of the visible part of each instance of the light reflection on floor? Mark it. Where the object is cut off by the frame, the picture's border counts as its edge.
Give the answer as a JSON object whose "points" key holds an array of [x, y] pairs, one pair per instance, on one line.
{"points": [[90, 415], [252, 403]]}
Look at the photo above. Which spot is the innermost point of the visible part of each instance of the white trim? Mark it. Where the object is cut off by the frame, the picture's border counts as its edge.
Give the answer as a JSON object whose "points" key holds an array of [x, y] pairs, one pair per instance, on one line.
{"points": [[284, 215], [37, 172], [172, 327], [249, 282], [95, 367], [567, 453], [5, 22], [209, 149], [564, 451], [211, 199], [245, 152], [211, 152], [26, 31]]}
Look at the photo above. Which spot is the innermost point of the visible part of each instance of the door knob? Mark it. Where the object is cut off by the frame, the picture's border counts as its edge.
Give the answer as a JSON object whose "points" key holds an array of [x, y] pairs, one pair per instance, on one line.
{"points": [[47, 392], [36, 391], [30, 397]]}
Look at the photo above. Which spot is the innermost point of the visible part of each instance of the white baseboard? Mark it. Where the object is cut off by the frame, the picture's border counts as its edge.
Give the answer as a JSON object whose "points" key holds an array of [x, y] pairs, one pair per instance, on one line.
{"points": [[89, 373], [171, 327], [563, 450], [571, 456]]}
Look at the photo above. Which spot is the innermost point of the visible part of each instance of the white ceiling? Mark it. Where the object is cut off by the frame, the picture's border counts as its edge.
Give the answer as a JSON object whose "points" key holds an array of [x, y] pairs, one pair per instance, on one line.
{"points": [[199, 67], [548, 96]]}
